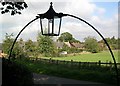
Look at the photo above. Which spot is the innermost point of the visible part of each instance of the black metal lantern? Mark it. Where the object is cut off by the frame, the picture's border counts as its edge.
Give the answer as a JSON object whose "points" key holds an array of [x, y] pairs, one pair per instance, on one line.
{"points": [[50, 22]]}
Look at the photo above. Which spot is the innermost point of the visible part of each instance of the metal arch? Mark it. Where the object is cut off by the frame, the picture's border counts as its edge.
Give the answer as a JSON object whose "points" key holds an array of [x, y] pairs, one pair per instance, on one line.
{"points": [[18, 36], [116, 69], [80, 20]]}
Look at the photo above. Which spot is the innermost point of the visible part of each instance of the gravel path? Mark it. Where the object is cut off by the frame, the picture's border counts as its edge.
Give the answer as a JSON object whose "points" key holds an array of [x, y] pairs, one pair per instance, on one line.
{"points": [[45, 79]]}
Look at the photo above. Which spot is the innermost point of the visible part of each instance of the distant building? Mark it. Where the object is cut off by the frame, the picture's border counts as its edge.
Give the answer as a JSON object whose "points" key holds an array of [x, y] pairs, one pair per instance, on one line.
{"points": [[59, 45], [68, 44], [75, 45]]}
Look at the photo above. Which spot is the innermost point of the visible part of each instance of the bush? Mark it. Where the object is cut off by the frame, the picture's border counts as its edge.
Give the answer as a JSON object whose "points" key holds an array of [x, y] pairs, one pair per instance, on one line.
{"points": [[15, 74]]}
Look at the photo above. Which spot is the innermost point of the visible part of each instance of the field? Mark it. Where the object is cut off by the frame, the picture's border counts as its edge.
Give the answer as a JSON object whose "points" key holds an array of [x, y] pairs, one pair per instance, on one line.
{"points": [[91, 73], [104, 56]]}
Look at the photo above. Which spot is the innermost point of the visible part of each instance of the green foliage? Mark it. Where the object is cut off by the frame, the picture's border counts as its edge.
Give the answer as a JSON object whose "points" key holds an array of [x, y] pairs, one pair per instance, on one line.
{"points": [[65, 37], [91, 45], [6, 46], [113, 42], [45, 45], [65, 48], [30, 47], [75, 50], [15, 73]]}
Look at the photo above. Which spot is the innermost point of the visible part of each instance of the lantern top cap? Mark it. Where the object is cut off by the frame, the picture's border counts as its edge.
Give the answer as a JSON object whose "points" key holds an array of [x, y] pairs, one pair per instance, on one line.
{"points": [[50, 14]]}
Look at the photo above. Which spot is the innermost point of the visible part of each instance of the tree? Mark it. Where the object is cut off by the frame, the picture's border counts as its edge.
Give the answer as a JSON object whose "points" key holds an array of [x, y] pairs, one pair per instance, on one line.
{"points": [[7, 43], [30, 48], [65, 37], [91, 45], [12, 7], [112, 42], [45, 45]]}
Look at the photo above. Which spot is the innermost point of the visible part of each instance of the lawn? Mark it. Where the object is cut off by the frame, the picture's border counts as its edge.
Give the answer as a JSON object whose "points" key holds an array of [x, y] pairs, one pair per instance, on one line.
{"points": [[104, 56], [92, 73]]}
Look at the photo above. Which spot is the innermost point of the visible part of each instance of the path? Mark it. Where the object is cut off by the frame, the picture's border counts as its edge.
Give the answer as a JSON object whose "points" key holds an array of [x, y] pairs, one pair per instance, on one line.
{"points": [[45, 79]]}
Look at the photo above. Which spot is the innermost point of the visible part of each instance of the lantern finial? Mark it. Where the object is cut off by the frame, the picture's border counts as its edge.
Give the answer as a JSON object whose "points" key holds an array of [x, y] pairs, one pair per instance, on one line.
{"points": [[51, 3]]}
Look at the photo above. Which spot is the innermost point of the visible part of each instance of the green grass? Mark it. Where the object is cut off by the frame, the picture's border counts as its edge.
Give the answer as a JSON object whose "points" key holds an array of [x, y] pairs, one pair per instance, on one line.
{"points": [[91, 57], [94, 74]]}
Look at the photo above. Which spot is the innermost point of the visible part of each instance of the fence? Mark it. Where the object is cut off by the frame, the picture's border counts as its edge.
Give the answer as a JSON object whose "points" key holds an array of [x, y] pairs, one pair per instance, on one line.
{"points": [[77, 64]]}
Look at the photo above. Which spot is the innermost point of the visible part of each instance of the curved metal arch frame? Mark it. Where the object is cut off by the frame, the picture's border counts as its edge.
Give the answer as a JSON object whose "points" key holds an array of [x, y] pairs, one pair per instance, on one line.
{"points": [[115, 64]]}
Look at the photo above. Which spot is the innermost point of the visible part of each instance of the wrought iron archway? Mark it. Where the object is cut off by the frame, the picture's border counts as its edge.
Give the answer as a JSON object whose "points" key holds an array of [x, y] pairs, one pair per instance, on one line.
{"points": [[63, 15]]}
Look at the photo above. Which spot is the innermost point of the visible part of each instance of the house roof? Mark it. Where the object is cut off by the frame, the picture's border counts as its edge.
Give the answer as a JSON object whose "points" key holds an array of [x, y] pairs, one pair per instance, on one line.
{"points": [[69, 44], [77, 45], [74, 44]]}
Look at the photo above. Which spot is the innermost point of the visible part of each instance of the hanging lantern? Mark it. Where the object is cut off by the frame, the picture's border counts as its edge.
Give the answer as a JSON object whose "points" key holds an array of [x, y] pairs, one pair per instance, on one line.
{"points": [[50, 22]]}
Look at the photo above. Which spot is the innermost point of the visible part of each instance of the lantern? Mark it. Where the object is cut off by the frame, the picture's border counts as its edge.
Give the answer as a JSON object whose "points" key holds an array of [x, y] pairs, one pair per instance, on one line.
{"points": [[50, 22]]}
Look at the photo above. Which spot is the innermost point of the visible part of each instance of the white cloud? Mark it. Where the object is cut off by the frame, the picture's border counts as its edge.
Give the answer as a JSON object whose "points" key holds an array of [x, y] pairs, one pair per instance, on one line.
{"points": [[108, 27], [80, 8]]}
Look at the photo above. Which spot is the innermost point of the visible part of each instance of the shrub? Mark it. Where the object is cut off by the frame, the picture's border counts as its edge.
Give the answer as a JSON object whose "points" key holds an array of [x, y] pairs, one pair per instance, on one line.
{"points": [[15, 74]]}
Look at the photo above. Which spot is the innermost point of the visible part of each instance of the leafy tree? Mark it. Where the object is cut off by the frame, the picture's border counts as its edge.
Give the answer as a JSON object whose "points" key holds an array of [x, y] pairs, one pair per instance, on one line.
{"points": [[45, 45], [91, 45], [65, 37], [65, 48], [112, 42], [30, 48], [12, 7], [21, 48], [7, 43]]}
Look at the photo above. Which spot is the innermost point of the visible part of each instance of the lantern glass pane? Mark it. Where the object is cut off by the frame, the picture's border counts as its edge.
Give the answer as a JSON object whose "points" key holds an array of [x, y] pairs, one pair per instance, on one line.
{"points": [[56, 25], [50, 26], [45, 26]]}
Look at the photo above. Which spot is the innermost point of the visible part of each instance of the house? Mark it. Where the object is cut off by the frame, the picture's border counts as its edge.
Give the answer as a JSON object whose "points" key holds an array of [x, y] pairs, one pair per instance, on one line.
{"points": [[75, 45], [59, 45], [78, 45], [68, 44]]}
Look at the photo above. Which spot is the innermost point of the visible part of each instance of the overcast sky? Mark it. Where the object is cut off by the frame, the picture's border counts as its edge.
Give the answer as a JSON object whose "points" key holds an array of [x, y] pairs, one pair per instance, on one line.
{"points": [[101, 14]]}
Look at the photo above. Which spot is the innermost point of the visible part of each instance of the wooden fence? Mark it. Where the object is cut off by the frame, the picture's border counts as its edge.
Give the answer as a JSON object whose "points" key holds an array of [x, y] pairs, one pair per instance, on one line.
{"points": [[76, 63]]}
